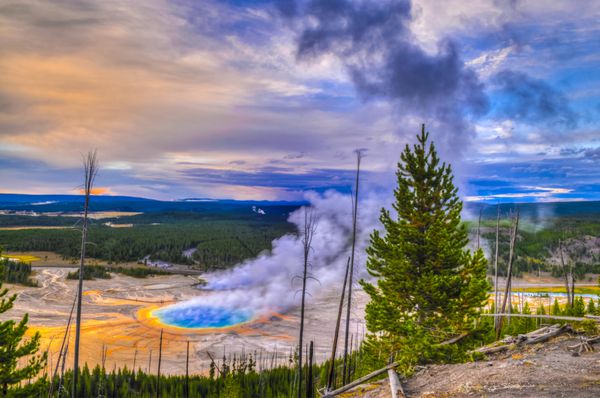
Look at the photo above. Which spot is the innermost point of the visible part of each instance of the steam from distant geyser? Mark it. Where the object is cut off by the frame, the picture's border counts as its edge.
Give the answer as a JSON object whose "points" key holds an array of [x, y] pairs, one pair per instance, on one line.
{"points": [[264, 283]]}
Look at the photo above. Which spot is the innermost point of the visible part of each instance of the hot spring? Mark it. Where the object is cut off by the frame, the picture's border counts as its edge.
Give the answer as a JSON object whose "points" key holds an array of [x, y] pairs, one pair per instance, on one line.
{"points": [[202, 316]]}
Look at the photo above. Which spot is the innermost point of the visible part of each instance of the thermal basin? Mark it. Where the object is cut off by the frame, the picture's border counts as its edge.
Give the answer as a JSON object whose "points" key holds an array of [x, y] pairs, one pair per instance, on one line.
{"points": [[199, 316]]}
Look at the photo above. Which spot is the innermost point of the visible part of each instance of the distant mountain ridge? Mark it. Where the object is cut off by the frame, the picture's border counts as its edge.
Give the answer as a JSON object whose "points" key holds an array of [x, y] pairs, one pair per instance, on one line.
{"points": [[71, 203], [14, 198], [536, 211]]}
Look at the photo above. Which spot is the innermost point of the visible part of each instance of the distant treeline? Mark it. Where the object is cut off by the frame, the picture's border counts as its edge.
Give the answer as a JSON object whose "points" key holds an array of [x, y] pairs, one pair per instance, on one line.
{"points": [[219, 244], [14, 220], [536, 245], [233, 377], [101, 272], [16, 272]]}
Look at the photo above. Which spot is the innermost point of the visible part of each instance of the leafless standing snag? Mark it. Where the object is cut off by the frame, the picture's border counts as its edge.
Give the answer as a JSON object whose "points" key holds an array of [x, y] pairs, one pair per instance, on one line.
{"points": [[62, 353], [496, 292], [309, 379], [568, 273], [158, 393], [359, 155], [308, 233], [90, 169], [507, 289], [331, 374], [479, 229], [186, 390]]}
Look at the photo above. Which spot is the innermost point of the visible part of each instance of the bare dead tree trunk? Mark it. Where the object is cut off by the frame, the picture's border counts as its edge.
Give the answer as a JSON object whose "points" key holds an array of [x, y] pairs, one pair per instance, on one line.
{"points": [[309, 381], [90, 168], [568, 273], [331, 376], [158, 394], [187, 370], [310, 225], [61, 353], [134, 359], [496, 293], [513, 239], [62, 371], [479, 229], [351, 272], [564, 269], [572, 278]]}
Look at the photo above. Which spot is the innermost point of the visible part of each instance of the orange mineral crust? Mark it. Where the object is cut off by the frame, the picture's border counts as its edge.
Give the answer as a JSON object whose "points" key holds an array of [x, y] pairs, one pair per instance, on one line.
{"points": [[119, 316]]}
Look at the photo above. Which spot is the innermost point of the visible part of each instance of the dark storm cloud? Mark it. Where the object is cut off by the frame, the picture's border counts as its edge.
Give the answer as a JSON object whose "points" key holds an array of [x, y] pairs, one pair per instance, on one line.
{"points": [[527, 99], [287, 8], [375, 43], [275, 177], [592, 153]]}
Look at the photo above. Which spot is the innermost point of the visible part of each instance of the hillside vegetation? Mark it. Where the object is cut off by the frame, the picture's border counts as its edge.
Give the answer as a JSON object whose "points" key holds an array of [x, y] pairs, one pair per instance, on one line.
{"points": [[163, 236], [537, 249]]}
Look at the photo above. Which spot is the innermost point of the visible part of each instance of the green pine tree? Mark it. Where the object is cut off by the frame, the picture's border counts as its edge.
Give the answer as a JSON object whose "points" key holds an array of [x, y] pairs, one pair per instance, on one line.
{"points": [[556, 308], [591, 307], [527, 324], [13, 348], [429, 286], [578, 307], [541, 310]]}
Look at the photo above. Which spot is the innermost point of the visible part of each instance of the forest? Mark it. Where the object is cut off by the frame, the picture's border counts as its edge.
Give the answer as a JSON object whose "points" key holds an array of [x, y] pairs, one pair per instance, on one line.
{"points": [[16, 272], [537, 246], [162, 236]]}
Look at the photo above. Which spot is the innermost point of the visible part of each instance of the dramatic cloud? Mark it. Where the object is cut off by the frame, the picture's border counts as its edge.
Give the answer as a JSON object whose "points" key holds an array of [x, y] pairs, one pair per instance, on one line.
{"points": [[374, 41], [267, 99], [530, 100]]}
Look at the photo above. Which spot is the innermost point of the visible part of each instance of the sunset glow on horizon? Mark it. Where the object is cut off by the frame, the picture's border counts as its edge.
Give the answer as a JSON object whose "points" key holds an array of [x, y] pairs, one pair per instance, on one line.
{"points": [[249, 99]]}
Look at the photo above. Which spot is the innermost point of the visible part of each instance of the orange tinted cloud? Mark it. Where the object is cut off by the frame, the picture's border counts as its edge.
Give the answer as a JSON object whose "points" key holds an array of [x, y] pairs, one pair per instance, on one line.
{"points": [[97, 191]]}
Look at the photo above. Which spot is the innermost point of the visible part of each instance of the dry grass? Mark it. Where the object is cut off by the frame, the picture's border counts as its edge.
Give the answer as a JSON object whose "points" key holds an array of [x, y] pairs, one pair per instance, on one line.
{"points": [[24, 258], [32, 227], [559, 289]]}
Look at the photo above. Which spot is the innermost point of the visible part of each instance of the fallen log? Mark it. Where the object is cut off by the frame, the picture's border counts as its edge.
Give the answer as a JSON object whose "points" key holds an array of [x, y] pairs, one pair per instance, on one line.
{"points": [[390, 369], [542, 330], [536, 333], [537, 336], [395, 386], [585, 343], [360, 381], [547, 336], [491, 350], [454, 339]]}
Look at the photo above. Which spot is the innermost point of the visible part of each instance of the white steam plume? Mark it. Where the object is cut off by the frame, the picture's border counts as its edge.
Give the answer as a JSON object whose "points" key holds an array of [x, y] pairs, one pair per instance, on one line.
{"points": [[265, 282]]}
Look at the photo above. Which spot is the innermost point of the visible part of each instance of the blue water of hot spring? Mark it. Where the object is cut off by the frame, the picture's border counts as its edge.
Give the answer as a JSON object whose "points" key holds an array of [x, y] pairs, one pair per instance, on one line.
{"points": [[202, 316]]}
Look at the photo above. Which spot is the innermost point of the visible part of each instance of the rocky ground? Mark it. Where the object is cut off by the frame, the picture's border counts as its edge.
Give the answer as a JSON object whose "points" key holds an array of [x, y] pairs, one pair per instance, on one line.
{"points": [[542, 370]]}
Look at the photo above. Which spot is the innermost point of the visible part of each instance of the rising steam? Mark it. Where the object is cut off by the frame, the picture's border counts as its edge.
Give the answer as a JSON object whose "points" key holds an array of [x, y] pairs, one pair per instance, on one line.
{"points": [[374, 41], [265, 283]]}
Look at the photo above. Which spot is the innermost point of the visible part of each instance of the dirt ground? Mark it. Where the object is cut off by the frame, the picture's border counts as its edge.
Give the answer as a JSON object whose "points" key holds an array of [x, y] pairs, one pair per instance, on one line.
{"points": [[541, 371], [117, 315]]}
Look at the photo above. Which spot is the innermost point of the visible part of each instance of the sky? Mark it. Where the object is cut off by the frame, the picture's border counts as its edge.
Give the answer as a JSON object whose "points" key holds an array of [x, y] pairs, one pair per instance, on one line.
{"points": [[269, 99]]}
